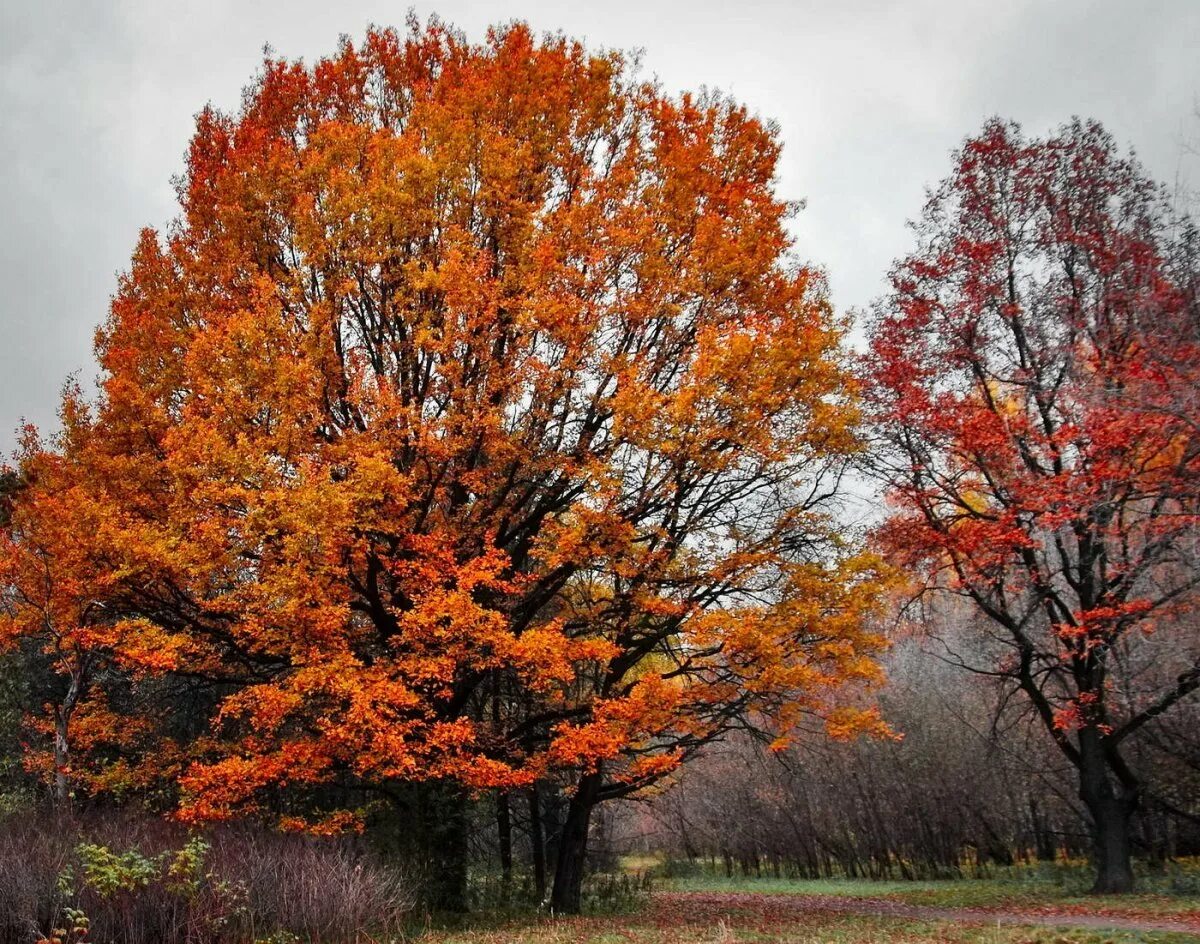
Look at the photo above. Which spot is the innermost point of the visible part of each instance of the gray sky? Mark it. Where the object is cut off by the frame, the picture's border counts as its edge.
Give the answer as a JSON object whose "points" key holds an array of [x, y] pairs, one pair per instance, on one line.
{"points": [[97, 99]]}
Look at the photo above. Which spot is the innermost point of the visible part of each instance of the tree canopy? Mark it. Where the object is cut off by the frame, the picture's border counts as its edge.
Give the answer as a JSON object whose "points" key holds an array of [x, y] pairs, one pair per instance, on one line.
{"points": [[1033, 386], [472, 422]]}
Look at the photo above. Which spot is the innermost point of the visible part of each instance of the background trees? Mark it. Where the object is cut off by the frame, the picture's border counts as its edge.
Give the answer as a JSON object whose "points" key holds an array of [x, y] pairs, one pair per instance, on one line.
{"points": [[472, 428], [970, 789], [1032, 384], [976, 788]]}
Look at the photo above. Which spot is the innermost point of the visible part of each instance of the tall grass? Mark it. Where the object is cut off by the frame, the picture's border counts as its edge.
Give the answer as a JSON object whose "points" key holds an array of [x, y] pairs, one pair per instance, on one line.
{"points": [[140, 882]]}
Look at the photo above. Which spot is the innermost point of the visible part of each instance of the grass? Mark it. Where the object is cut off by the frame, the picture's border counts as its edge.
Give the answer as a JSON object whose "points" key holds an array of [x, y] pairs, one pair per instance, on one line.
{"points": [[812, 929], [1028, 892], [710, 909]]}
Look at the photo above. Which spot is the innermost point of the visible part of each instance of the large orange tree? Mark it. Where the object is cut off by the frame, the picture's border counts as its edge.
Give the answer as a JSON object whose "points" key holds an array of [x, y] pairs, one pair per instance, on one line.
{"points": [[1033, 380], [472, 425]]}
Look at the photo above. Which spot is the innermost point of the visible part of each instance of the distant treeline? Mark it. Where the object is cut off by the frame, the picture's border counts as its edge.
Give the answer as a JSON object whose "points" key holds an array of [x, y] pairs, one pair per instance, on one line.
{"points": [[973, 784]]}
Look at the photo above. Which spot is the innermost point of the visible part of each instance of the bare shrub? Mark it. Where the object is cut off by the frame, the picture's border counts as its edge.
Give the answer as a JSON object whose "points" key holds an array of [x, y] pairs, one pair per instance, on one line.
{"points": [[143, 881], [321, 890]]}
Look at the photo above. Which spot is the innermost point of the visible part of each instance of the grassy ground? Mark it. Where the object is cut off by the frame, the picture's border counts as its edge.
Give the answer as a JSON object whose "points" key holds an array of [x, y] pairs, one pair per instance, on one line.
{"points": [[653, 927], [1062, 889], [708, 909]]}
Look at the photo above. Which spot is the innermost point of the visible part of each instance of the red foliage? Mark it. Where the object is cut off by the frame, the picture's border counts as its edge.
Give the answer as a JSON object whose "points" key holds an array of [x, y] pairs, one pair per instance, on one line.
{"points": [[1034, 382]]}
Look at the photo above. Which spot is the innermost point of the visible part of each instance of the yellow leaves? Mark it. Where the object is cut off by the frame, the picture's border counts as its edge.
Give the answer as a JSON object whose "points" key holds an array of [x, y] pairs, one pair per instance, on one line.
{"points": [[977, 501]]}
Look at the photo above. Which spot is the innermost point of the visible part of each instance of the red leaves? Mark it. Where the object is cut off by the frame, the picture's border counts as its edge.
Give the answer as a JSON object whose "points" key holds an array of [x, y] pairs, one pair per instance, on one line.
{"points": [[1027, 380]]}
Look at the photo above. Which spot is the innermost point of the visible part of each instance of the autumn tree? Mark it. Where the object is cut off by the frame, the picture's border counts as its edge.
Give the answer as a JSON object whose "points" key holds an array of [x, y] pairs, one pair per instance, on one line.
{"points": [[51, 596], [1032, 384], [472, 424]]}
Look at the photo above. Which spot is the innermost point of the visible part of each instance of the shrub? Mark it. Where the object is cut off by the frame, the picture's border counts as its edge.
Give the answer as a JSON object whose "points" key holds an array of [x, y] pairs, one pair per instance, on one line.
{"points": [[143, 881]]}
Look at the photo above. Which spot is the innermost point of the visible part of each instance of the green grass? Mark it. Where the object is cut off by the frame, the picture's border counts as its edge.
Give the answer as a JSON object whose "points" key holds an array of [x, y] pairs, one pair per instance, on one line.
{"points": [[958, 893]]}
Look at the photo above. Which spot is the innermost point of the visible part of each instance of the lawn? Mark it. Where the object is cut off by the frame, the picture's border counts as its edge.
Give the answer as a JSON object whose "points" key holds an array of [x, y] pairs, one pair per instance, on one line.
{"points": [[1062, 891], [751, 923], [721, 911]]}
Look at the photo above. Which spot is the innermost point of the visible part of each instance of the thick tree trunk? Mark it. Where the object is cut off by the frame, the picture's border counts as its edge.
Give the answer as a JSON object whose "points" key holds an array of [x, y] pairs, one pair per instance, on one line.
{"points": [[1113, 847], [444, 811], [427, 827], [503, 813], [567, 897], [1111, 811]]}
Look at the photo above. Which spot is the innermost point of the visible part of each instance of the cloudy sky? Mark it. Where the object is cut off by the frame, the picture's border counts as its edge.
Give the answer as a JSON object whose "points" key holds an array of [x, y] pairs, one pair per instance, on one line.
{"points": [[97, 99]]}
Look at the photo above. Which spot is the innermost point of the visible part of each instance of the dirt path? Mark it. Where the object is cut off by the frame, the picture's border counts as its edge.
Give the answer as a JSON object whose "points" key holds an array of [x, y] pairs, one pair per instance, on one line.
{"points": [[780, 906]]}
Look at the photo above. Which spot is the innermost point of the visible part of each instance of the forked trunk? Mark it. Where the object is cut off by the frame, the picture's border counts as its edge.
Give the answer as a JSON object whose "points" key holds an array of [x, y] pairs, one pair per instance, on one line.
{"points": [[62, 760], [62, 741]]}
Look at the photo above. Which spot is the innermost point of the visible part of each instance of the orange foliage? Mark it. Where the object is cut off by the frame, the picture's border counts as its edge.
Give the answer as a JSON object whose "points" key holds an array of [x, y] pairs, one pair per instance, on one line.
{"points": [[468, 373]]}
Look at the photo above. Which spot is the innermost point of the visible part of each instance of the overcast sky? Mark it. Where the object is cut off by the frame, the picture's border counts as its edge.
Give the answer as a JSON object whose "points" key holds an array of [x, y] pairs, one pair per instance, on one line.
{"points": [[97, 100]]}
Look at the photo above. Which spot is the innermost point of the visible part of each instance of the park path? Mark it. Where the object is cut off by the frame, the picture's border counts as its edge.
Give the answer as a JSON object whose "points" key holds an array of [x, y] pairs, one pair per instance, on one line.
{"points": [[779, 907]]}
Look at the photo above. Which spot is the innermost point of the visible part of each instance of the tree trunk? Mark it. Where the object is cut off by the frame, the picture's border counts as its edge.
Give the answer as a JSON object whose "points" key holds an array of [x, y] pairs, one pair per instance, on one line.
{"points": [[1111, 811], [62, 741], [62, 760], [503, 814], [567, 897], [1043, 840], [537, 842], [427, 826], [504, 830], [445, 814]]}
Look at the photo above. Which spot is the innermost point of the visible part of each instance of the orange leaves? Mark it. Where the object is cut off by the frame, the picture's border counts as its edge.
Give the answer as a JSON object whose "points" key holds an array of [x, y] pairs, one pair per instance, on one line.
{"points": [[546, 659], [265, 707], [846, 721], [332, 824], [647, 710], [472, 422], [138, 645], [1084, 710]]}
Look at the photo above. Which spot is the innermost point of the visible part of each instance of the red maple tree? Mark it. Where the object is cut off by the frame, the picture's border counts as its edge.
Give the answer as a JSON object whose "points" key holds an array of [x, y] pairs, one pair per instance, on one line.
{"points": [[1033, 385]]}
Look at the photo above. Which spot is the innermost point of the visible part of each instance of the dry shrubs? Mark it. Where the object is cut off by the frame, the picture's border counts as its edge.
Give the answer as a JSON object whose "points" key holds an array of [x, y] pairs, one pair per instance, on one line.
{"points": [[143, 881]]}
